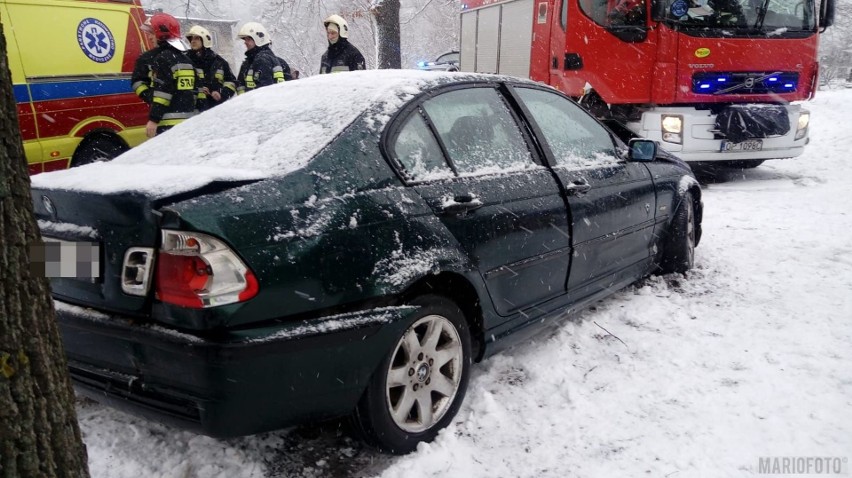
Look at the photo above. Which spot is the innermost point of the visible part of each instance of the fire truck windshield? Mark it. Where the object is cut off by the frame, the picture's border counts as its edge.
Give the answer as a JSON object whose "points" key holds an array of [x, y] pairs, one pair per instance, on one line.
{"points": [[738, 17]]}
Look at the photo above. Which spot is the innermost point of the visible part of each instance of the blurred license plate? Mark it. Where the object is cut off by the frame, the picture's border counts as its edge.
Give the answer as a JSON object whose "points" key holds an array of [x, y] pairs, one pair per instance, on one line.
{"points": [[57, 258], [750, 145]]}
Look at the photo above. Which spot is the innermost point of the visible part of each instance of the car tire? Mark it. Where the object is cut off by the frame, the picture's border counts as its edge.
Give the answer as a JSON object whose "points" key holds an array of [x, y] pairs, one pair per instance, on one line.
{"points": [[679, 248], [410, 398], [99, 147]]}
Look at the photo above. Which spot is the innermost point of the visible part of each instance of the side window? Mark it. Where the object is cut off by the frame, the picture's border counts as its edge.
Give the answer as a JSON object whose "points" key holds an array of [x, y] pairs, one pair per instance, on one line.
{"points": [[614, 12], [563, 15], [478, 131], [574, 137], [418, 151]]}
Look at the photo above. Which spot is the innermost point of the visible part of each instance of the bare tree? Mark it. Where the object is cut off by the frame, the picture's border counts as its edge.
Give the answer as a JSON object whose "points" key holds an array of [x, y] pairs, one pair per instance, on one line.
{"points": [[39, 434], [388, 46]]}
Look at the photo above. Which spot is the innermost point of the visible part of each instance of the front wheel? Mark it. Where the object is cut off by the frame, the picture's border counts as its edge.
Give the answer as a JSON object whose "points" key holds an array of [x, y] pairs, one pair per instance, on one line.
{"points": [[99, 147], [419, 386], [679, 248]]}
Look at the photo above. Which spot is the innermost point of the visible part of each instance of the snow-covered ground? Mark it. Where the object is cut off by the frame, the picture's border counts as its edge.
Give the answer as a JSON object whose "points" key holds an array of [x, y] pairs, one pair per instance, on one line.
{"points": [[748, 357]]}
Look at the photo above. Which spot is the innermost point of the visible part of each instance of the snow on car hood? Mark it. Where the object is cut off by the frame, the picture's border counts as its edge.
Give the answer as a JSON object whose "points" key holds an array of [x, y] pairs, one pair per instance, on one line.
{"points": [[266, 133]]}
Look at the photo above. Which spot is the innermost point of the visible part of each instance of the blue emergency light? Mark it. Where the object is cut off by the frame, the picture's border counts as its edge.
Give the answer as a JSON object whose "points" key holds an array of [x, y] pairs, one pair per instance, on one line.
{"points": [[738, 83]]}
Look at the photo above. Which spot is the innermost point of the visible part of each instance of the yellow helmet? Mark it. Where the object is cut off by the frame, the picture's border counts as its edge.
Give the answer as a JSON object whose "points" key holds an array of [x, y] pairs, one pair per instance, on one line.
{"points": [[341, 25], [199, 31]]}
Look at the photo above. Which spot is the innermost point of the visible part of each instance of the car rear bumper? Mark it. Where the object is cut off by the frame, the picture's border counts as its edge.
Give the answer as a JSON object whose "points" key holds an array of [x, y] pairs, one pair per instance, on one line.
{"points": [[234, 383]]}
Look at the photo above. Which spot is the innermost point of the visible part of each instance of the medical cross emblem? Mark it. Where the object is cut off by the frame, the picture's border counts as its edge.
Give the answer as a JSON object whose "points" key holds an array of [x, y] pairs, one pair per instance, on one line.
{"points": [[95, 40]]}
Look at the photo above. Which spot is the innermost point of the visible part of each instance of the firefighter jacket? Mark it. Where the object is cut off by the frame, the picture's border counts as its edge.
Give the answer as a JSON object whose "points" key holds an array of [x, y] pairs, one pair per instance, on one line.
{"points": [[213, 73], [142, 78], [288, 75], [341, 56], [260, 68], [173, 98]]}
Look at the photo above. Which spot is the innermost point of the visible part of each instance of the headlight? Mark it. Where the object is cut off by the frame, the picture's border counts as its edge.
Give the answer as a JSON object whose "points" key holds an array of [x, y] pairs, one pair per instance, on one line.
{"points": [[802, 126], [672, 126]]}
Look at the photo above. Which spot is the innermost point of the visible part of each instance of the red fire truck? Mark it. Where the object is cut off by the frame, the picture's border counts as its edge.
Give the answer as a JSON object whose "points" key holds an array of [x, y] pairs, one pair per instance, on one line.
{"points": [[711, 80]]}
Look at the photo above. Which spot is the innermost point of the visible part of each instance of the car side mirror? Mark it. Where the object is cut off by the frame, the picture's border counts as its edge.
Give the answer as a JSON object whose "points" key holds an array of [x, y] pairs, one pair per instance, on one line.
{"points": [[642, 150]]}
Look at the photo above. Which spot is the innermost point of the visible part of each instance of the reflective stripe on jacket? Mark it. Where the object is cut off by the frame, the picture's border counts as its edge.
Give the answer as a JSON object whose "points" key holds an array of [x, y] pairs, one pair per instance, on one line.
{"points": [[341, 56], [260, 68], [173, 85]]}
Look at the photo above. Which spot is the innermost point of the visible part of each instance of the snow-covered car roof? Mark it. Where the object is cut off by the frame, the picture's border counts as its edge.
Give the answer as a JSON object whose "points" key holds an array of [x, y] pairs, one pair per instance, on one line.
{"points": [[266, 133]]}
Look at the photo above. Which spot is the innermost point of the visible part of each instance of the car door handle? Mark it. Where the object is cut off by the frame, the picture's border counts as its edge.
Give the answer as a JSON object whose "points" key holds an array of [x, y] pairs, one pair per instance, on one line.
{"points": [[460, 204], [578, 186]]}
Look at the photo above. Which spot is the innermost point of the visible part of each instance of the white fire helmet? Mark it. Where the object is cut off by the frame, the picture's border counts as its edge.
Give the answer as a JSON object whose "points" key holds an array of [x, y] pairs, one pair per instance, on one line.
{"points": [[341, 24], [199, 31], [256, 32]]}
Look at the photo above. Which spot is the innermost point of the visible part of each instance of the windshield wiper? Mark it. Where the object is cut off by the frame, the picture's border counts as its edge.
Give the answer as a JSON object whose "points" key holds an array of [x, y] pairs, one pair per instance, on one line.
{"points": [[761, 15]]}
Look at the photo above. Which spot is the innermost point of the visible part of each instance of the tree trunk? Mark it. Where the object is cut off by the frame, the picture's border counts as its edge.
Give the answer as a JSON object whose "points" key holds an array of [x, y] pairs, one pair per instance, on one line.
{"points": [[39, 434], [386, 13]]}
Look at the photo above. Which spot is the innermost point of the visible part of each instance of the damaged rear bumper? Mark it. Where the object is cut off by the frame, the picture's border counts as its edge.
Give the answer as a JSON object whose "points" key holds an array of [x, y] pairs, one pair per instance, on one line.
{"points": [[233, 383]]}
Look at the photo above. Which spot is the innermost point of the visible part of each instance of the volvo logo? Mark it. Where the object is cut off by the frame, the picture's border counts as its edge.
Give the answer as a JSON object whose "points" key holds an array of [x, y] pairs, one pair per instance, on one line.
{"points": [[749, 82], [48, 205]]}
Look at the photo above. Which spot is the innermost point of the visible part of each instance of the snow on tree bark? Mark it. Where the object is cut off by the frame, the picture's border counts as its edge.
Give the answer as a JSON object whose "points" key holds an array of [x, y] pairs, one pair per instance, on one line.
{"points": [[39, 434], [388, 47]]}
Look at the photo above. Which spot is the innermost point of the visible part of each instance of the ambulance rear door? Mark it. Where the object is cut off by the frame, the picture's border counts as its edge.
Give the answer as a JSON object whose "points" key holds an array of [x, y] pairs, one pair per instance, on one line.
{"points": [[21, 90]]}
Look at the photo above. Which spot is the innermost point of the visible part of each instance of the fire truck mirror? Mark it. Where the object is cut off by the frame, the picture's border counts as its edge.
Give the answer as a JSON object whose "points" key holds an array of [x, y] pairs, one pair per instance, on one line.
{"points": [[658, 10], [826, 10]]}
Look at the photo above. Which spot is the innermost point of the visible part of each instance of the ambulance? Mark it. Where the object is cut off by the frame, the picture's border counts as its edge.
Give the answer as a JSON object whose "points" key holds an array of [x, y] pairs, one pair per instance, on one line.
{"points": [[71, 62]]}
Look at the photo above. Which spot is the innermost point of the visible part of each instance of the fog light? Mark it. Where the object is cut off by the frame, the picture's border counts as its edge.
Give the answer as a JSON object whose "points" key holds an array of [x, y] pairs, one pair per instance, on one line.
{"points": [[802, 126], [672, 126]]}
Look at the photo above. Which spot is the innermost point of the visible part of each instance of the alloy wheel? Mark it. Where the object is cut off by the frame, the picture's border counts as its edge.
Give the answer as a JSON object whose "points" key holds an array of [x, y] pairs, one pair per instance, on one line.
{"points": [[424, 374]]}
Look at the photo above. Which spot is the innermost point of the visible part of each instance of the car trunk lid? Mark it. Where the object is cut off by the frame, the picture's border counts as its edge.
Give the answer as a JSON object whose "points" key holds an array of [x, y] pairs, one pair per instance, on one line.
{"points": [[110, 223], [117, 226]]}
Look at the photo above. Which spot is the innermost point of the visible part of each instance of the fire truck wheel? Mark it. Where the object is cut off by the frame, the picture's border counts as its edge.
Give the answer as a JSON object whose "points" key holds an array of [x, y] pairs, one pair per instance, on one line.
{"points": [[99, 147], [679, 247]]}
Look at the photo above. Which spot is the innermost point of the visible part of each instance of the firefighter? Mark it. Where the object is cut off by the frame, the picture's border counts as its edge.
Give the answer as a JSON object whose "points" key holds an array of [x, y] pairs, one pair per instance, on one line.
{"points": [[216, 82], [173, 98], [142, 75], [285, 67], [261, 67], [341, 55]]}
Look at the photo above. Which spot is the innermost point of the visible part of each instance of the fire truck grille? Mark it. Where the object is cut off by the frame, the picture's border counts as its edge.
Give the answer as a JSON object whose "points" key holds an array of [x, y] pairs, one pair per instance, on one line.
{"points": [[744, 83]]}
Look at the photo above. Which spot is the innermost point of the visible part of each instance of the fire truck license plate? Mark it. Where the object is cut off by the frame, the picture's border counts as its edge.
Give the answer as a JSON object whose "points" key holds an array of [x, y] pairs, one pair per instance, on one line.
{"points": [[749, 145]]}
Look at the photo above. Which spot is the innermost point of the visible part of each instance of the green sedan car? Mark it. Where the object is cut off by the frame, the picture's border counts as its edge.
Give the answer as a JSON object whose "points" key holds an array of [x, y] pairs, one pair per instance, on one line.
{"points": [[348, 245]]}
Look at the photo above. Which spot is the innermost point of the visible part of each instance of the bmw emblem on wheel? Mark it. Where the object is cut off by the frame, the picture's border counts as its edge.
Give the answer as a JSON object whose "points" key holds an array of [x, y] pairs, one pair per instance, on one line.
{"points": [[96, 40]]}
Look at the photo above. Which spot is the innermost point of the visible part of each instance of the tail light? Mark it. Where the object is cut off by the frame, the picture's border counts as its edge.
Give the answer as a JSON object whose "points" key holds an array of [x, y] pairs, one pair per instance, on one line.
{"points": [[199, 271]]}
